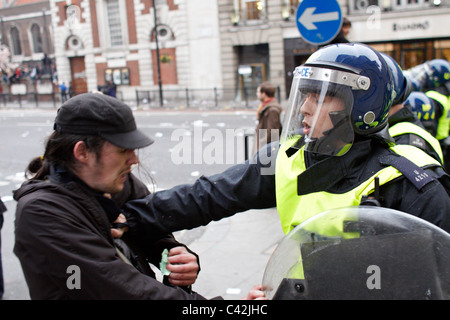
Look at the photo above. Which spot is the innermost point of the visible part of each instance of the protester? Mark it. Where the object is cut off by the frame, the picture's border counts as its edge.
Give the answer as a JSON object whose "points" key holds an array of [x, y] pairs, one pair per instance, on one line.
{"points": [[67, 208]]}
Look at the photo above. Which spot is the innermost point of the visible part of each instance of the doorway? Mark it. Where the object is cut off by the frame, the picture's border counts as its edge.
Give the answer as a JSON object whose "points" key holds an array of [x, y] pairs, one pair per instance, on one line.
{"points": [[253, 69], [78, 71], [250, 77]]}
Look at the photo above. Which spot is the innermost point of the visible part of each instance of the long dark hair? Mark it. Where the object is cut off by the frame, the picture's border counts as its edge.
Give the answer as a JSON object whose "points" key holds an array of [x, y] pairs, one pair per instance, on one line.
{"points": [[59, 150]]}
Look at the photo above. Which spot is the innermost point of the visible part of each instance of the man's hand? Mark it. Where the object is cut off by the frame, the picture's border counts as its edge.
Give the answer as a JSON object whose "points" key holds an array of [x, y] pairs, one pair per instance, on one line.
{"points": [[183, 267], [256, 293], [118, 232]]}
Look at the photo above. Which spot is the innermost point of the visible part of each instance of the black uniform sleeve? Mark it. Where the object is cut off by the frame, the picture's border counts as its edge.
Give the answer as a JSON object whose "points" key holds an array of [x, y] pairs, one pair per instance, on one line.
{"points": [[133, 189], [431, 203], [250, 185]]}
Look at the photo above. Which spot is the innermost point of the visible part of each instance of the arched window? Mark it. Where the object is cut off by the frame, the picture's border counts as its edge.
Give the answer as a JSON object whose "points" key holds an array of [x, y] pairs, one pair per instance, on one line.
{"points": [[15, 40], [36, 38]]}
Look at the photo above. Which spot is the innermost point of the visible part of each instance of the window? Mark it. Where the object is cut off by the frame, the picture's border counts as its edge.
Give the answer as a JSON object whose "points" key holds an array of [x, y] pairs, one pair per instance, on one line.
{"points": [[442, 49], [293, 5], [406, 4], [118, 76], [253, 9], [36, 38], [249, 11], [114, 23], [360, 6], [289, 9], [15, 40]]}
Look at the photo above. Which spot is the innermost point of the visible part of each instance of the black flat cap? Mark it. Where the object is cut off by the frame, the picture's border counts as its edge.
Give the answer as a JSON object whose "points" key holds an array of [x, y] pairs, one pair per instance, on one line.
{"points": [[101, 115]]}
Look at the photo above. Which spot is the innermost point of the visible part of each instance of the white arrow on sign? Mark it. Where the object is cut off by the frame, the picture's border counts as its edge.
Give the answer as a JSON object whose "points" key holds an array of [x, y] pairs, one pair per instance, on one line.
{"points": [[308, 18]]}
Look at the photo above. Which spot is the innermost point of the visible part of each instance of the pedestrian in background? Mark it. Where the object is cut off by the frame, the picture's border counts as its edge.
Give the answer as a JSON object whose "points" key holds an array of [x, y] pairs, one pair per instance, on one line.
{"points": [[267, 115], [63, 92], [341, 37]]}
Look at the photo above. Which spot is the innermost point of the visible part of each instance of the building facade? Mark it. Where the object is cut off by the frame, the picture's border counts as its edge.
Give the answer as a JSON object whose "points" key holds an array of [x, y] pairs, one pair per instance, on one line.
{"points": [[97, 41], [233, 44], [25, 28], [26, 35], [411, 31]]}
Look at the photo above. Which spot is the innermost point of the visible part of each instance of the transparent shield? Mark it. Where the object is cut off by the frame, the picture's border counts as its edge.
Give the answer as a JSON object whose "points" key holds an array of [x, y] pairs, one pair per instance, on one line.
{"points": [[361, 253]]}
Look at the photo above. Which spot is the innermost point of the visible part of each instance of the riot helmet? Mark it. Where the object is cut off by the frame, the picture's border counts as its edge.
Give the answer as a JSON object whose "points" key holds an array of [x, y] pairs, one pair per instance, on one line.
{"points": [[431, 74], [341, 90], [423, 107], [415, 84], [438, 72], [402, 85]]}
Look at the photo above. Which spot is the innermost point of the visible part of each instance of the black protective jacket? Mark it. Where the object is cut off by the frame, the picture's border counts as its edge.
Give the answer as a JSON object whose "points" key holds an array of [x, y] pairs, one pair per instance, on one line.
{"points": [[251, 185], [61, 224]]}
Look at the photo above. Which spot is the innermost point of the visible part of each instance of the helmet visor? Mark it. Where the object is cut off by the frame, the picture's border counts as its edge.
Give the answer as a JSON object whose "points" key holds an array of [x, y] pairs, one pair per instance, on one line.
{"points": [[319, 112], [419, 73]]}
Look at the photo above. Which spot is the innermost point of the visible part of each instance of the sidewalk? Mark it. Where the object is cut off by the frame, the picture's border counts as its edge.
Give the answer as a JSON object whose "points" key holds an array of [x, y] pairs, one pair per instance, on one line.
{"points": [[234, 252]]}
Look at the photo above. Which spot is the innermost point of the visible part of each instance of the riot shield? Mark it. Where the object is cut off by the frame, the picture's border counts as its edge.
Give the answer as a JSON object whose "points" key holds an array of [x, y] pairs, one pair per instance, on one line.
{"points": [[361, 253]]}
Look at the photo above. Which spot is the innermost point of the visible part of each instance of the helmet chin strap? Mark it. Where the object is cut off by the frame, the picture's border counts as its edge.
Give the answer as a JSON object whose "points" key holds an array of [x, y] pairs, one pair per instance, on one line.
{"points": [[335, 139]]}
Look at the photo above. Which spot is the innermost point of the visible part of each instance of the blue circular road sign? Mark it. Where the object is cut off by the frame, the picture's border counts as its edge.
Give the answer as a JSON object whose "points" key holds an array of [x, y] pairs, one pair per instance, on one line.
{"points": [[319, 21]]}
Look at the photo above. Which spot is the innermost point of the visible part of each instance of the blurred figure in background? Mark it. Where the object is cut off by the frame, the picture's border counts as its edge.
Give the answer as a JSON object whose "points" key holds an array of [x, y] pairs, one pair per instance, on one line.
{"points": [[268, 128]]}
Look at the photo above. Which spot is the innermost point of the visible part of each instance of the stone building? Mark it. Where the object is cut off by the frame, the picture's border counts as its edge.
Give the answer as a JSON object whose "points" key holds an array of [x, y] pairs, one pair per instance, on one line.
{"points": [[25, 30], [228, 45], [97, 41]]}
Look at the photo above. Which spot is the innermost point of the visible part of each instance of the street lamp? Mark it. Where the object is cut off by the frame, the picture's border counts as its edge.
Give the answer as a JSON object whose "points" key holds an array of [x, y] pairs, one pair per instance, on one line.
{"points": [[157, 56]]}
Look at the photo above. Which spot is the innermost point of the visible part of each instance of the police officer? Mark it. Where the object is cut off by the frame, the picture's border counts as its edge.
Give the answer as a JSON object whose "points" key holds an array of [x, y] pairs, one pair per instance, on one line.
{"points": [[438, 81], [335, 151], [423, 108], [404, 124], [433, 77]]}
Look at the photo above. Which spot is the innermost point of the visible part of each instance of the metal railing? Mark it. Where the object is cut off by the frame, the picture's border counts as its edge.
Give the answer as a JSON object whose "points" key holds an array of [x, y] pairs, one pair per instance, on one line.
{"points": [[20, 100], [213, 98]]}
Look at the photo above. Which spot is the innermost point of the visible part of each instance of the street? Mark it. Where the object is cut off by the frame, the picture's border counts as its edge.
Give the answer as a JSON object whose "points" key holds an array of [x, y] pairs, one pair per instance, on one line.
{"points": [[190, 143]]}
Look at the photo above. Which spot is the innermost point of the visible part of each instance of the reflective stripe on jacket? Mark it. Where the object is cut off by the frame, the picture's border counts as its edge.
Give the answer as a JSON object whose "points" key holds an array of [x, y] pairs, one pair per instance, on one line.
{"points": [[444, 120], [408, 127]]}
